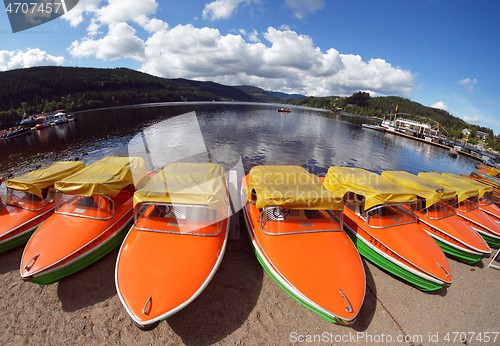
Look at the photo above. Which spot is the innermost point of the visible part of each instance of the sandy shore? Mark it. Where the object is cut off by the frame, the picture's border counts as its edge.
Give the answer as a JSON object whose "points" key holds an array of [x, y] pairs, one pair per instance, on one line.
{"points": [[242, 305]]}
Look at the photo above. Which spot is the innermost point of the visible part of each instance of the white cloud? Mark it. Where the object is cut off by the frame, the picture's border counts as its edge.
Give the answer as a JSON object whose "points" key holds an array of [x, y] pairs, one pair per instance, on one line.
{"points": [[75, 16], [468, 83], [289, 63], [278, 59], [10, 60], [120, 42], [223, 9], [440, 105], [472, 120], [304, 8]]}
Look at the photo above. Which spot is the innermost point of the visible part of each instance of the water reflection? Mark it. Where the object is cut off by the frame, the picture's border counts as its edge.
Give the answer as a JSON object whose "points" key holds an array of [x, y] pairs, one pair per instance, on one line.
{"points": [[256, 132]]}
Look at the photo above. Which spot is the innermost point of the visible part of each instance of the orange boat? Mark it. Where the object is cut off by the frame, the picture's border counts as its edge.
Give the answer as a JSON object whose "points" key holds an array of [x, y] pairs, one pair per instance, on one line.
{"points": [[93, 209], [378, 216], [468, 197], [487, 201], [437, 216], [295, 226], [30, 201], [176, 243]]}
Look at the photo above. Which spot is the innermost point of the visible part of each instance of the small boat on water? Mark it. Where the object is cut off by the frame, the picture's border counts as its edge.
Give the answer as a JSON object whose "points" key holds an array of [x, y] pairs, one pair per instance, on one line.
{"points": [[468, 206], [378, 215], [93, 212], [295, 226], [15, 132], [374, 127], [176, 243], [284, 110], [30, 201], [436, 215]]}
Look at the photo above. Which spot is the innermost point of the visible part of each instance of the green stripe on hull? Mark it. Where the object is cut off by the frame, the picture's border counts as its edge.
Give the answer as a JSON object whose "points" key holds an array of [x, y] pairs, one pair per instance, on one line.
{"points": [[382, 262], [16, 241], [492, 242], [302, 302], [463, 256], [85, 261]]}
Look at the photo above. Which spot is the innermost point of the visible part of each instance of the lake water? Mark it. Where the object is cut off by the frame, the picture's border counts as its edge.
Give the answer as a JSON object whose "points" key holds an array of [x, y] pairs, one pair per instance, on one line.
{"points": [[256, 133]]}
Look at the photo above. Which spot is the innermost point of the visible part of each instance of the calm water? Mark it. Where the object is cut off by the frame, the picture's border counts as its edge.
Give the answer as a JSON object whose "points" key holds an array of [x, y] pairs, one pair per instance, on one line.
{"points": [[224, 133]]}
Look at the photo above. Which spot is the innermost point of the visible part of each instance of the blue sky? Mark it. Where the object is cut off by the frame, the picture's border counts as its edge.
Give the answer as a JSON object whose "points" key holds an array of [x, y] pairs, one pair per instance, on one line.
{"points": [[441, 53]]}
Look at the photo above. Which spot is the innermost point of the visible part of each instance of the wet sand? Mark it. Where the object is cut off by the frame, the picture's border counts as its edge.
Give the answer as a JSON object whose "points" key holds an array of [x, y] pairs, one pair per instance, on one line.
{"points": [[242, 305]]}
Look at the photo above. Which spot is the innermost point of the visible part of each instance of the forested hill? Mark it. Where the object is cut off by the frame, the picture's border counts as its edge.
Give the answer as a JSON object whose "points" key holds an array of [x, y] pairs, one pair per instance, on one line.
{"points": [[361, 103], [37, 89]]}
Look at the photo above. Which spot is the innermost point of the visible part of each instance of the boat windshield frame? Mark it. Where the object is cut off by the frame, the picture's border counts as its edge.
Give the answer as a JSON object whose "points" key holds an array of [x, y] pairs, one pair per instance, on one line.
{"points": [[141, 208], [405, 209], [280, 214], [447, 205], [15, 197], [82, 203], [469, 204], [487, 199]]}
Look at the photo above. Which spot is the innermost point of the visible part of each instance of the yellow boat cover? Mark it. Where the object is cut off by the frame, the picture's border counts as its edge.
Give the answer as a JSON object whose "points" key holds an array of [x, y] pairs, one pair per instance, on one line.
{"points": [[376, 189], [427, 189], [187, 183], [482, 188], [104, 177], [462, 189], [34, 182], [290, 187], [494, 172]]}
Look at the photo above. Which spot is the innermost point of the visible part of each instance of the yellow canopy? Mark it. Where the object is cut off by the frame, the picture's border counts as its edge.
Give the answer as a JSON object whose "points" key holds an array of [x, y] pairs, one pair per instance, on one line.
{"points": [[104, 177], [427, 189], [290, 187], [375, 188], [481, 188], [462, 189], [187, 183], [34, 182]]}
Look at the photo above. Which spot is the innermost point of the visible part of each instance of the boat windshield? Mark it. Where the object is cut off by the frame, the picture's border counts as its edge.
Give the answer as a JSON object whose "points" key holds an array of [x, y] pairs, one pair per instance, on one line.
{"points": [[280, 221], [97, 207], [389, 215], [469, 204], [28, 201], [178, 219], [487, 199], [441, 209]]}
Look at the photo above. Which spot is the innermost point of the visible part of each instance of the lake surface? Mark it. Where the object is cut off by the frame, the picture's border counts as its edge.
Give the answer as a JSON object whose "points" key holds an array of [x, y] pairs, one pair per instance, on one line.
{"points": [[256, 133]]}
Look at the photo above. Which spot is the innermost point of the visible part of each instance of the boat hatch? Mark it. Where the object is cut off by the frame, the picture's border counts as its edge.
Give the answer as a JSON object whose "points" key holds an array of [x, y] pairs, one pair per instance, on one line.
{"points": [[469, 204], [389, 215], [178, 218], [280, 221], [26, 200], [97, 207]]}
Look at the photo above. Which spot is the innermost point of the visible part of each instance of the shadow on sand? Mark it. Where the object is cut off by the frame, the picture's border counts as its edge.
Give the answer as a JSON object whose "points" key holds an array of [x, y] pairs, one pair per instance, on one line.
{"points": [[89, 286], [227, 301], [369, 306], [10, 260]]}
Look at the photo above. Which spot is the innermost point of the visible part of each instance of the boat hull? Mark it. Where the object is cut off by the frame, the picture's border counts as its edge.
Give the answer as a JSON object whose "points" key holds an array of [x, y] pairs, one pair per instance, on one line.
{"points": [[315, 269], [456, 238], [51, 255], [396, 262], [487, 228], [153, 259], [17, 225]]}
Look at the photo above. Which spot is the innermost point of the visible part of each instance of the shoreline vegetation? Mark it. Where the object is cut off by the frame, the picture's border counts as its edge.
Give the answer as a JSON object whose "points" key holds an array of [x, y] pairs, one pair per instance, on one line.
{"points": [[45, 89]]}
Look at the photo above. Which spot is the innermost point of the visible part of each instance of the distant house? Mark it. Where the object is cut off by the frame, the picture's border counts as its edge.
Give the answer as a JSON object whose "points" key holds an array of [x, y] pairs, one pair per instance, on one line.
{"points": [[482, 135], [466, 132]]}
